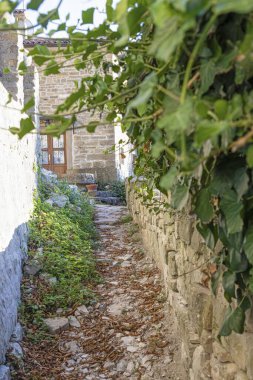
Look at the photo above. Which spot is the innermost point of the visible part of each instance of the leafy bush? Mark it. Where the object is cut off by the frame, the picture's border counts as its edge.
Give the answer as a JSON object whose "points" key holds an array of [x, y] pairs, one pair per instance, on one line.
{"points": [[67, 237]]}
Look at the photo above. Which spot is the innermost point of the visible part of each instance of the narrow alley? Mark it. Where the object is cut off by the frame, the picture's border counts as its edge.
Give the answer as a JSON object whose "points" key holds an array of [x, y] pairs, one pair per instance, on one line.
{"points": [[124, 334]]}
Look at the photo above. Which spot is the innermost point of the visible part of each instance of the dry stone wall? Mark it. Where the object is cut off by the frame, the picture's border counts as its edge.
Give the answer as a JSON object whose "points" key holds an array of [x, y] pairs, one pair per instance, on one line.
{"points": [[17, 182], [173, 242]]}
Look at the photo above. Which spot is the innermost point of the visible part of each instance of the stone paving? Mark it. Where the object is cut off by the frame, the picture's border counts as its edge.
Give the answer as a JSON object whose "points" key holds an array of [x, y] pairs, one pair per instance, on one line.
{"points": [[125, 334]]}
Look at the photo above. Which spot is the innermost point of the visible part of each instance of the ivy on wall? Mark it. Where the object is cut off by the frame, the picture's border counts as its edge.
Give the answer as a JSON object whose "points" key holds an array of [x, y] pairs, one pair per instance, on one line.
{"points": [[181, 76]]}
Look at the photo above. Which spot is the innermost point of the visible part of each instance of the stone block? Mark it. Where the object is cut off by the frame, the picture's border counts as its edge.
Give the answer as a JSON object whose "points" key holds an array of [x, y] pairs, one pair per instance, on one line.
{"points": [[185, 229], [206, 340], [223, 371], [17, 334], [221, 353], [201, 364], [56, 325], [5, 373], [241, 376]]}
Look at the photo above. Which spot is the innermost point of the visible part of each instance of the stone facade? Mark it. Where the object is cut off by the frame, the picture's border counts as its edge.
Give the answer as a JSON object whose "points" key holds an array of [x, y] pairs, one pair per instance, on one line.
{"points": [[85, 151], [17, 182], [172, 240]]}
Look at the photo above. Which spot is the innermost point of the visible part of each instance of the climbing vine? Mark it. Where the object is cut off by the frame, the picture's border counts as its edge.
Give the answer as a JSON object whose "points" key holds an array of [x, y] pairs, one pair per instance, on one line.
{"points": [[181, 76]]}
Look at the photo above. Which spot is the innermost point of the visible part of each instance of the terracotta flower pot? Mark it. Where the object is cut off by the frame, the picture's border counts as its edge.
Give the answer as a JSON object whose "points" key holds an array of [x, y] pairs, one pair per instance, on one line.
{"points": [[91, 187]]}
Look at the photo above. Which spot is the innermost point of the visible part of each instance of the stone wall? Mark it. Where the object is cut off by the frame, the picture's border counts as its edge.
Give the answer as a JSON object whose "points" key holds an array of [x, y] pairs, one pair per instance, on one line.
{"points": [[87, 151], [172, 240], [17, 182]]}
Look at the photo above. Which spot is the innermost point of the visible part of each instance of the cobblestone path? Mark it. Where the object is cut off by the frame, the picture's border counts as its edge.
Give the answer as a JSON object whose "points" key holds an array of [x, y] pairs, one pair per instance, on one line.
{"points": [[126, 333], [124, 336]]}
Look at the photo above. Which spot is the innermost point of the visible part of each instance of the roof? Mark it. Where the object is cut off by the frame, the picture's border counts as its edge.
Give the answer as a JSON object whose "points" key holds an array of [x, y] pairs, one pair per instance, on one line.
{"points": [[50, 42], [33, 41]]}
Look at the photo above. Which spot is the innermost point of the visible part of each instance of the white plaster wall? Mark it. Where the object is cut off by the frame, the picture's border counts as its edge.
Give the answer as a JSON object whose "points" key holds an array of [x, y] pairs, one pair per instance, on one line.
{"points": [[123, 154], [17, 183]]}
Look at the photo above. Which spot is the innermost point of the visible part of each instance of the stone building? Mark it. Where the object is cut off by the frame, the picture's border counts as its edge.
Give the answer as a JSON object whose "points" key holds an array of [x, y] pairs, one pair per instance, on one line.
{"points": [[77, 153]]}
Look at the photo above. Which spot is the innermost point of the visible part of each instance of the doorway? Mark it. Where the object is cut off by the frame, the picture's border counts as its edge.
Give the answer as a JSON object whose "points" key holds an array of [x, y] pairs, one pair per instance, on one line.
{"points": [[54, 155]]}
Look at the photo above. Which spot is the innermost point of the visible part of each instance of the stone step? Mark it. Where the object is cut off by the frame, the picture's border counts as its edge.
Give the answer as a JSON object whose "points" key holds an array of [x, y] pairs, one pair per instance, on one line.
{"points": [[109, 200], [105, 193]]}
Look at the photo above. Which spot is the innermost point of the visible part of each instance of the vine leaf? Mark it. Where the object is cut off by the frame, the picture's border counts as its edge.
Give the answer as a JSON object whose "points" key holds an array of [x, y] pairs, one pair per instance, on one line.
{"points": [[208, 129], [208, 71], [232, 209], [180, 195], [248, 244], [215, 280], [87, 16], [169, 37], [28, 105], [145, 92], [209, 234], [237, 261], [174, 123], [26, 126], [241, 181], [228, 282], [233, 321], [34, 4], [204, 208], [250, 156], [168, 180], [226, 6]]}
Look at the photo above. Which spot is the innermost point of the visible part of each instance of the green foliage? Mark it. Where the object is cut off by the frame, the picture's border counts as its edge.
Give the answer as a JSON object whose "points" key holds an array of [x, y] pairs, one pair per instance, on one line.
{"points": [[118, 189], [184, 88], [66, 236]]}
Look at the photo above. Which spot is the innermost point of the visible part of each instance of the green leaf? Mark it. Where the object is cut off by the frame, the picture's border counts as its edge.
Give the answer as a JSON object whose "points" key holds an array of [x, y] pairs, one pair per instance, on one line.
{"points": [[109, 10], [236, 320], [207, 129], [179, 196], [228, 283], [34, 4], [225, 329], [169, 37], [91, 127], [249, 156], [160, 12], [6, 70], [174, 123], [52, 68], [5, 6], [221, 108], [215, 280], [121, 17], [28, 105], [157, 149], [145, 92], [232, 209], [203, 207], [241, 181], [168, 180], [26, 126], [208, 233], [88, 15], [227, 6], [208, 70], [245, 303], [22, 67], [248, 244]]}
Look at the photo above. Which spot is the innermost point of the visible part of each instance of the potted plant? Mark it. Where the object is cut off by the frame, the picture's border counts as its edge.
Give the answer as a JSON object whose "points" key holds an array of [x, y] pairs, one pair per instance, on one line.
{"points": [[91, 187]]}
